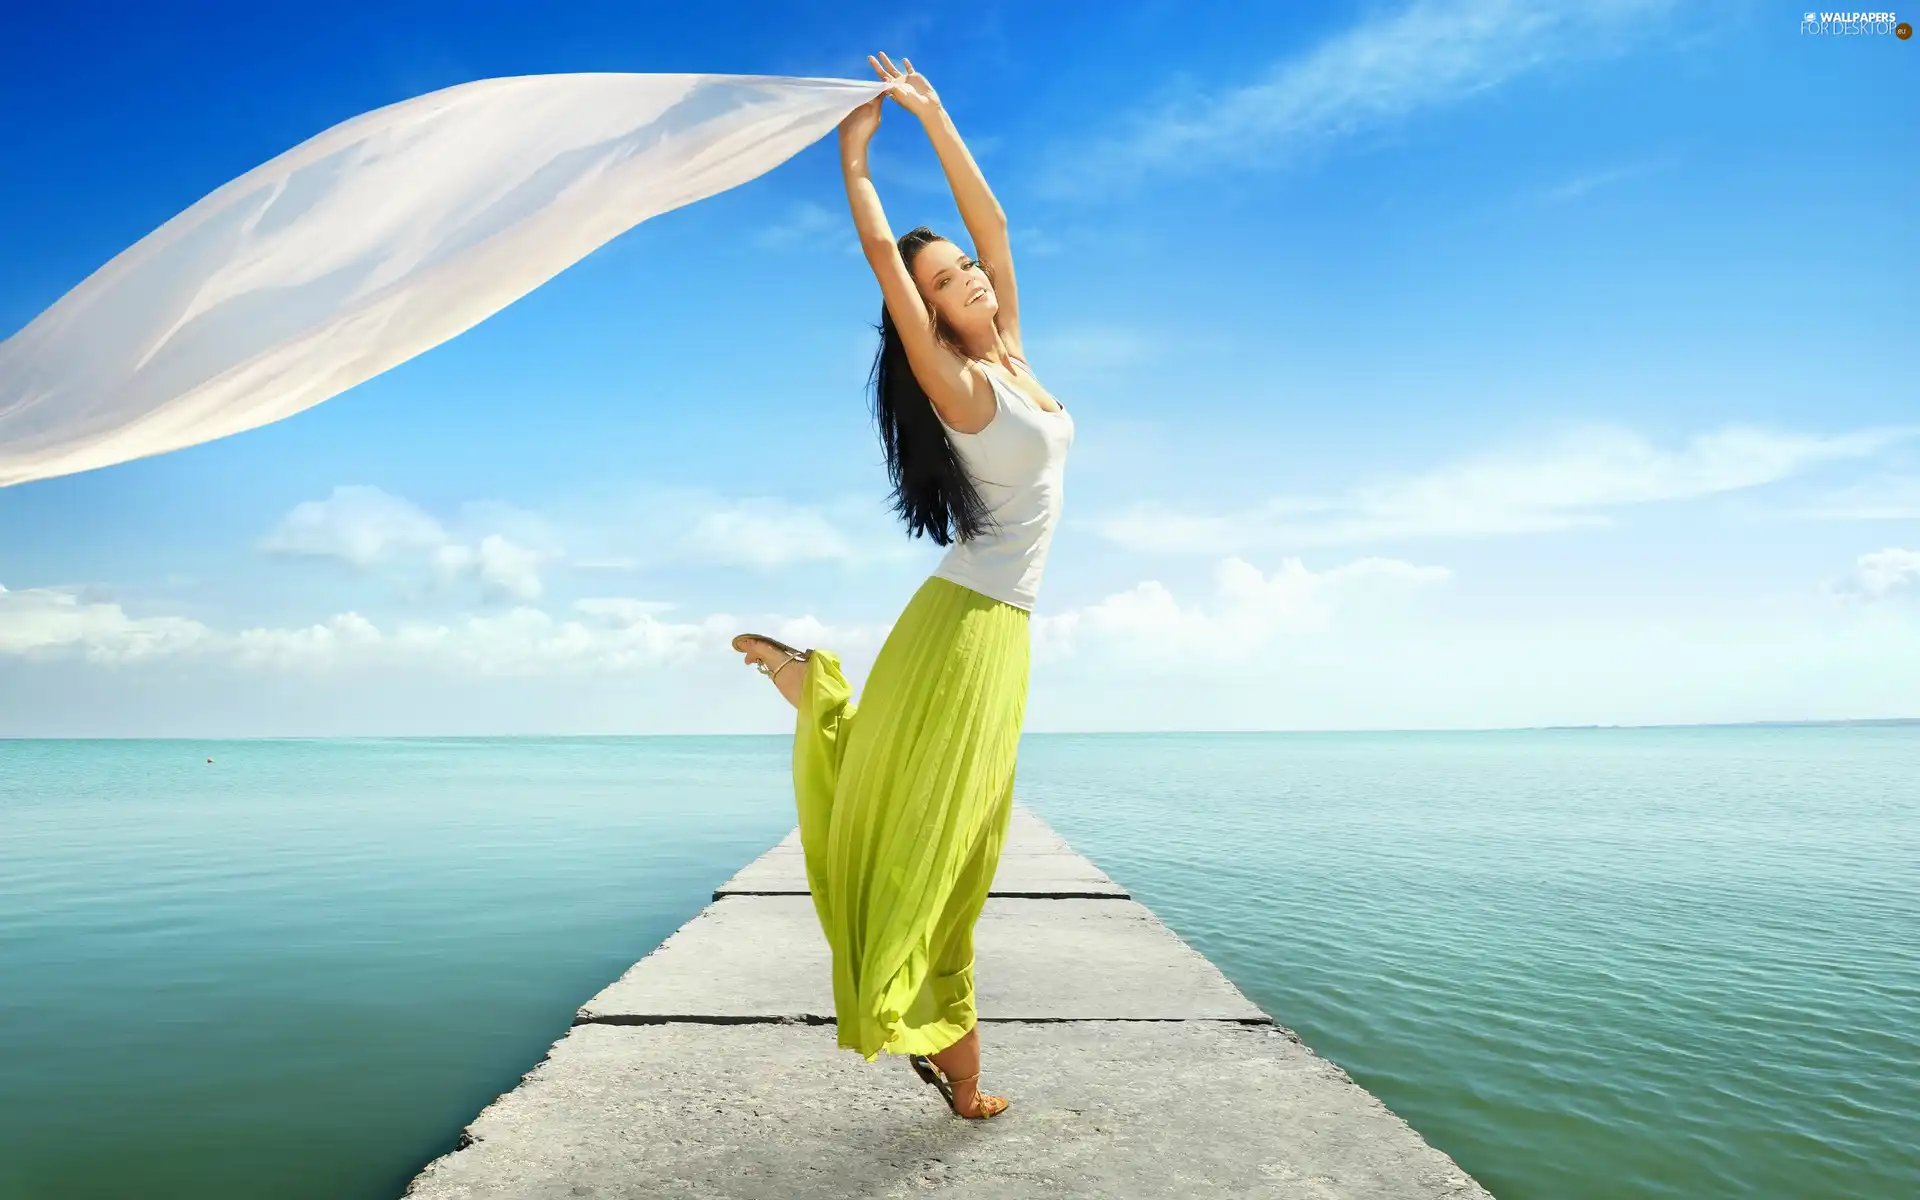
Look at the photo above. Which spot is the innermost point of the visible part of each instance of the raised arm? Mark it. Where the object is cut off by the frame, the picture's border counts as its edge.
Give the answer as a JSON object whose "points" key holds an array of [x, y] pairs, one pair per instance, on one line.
{"points": [[980, 212], [942, 374]]}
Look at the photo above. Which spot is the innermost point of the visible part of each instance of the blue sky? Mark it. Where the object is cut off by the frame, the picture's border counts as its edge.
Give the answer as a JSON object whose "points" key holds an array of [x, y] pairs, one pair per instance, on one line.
{"points": [[1454, 364]]}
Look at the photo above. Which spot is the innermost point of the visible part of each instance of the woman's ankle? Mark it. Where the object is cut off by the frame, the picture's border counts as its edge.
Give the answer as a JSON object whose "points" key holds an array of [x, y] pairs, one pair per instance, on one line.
{"points": [[966, 1098], [787, 674]]}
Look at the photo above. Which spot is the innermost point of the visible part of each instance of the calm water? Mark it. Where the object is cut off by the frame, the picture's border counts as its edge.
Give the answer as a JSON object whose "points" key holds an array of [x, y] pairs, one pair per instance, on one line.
{"points": [[1586, 964]]}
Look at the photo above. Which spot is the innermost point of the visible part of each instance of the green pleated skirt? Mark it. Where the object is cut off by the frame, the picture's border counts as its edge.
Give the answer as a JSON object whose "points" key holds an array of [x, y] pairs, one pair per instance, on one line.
{"points": [[904, 801]]}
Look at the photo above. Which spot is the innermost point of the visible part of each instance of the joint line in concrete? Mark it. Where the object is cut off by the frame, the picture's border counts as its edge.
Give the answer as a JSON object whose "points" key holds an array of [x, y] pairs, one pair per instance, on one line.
{"points": [[820, 1019], [723, 893]]}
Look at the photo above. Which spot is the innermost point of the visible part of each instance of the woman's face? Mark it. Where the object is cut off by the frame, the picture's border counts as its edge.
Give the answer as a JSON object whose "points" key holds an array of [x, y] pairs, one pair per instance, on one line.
{"points": [[955, 285]]}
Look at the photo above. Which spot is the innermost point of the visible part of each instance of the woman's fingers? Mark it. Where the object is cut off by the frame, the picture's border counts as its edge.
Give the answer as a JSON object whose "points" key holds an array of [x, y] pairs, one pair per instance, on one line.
{"points": [[888, 73], [902, 80]]}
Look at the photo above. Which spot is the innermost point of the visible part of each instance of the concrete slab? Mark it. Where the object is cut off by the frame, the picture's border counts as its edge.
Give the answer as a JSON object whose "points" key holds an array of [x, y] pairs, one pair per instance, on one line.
{"points": [[1137, 1070], [760, 958], [1035, 876], [1101, 1109], [1035, 862], [1027, 833]]}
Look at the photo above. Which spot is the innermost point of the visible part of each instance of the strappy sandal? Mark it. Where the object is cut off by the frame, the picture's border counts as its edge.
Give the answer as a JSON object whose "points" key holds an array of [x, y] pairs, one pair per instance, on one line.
{"points": [[988, 1106], [792, 655]]}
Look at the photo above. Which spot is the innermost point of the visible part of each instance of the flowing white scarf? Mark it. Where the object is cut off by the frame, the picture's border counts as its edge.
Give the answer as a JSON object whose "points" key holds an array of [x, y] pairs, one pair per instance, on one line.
{"points": [[372, 242]]}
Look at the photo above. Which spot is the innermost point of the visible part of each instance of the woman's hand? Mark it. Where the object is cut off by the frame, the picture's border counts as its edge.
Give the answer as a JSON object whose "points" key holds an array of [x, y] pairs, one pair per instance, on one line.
{"points": [[910, 87], [856, 128]]}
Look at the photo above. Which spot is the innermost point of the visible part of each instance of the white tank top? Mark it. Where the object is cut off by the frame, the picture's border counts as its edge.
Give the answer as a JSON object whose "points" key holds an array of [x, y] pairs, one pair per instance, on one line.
{"points": [[1018, 463]]}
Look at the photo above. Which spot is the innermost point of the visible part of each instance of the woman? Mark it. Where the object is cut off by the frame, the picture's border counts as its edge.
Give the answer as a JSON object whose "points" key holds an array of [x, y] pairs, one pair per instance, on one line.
{"points": [[904, 799]]}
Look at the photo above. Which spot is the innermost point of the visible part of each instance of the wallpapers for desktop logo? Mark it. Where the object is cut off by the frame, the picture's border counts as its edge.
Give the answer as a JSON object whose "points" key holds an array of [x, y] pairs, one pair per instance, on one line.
{"points": [[1843, 24]]}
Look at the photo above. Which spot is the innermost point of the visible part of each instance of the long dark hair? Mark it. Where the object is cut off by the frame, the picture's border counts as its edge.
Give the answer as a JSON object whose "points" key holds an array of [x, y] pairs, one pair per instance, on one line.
{"points": [[931, 489]]}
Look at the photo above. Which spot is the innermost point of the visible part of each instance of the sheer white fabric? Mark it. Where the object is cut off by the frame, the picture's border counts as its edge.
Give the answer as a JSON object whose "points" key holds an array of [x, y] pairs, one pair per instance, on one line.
{"points": [[379, 238]]}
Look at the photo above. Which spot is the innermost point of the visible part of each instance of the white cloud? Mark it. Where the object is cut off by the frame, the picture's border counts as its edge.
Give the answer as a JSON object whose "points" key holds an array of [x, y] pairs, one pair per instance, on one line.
{"points": [[37, 622], [498, 563], [361, 526], [603, 636], [1249, 609], [766, 533], [509, 552], [366, 527], [1566, 483], [528, 641], [600, 636], [1424, 56], [1885, 574], [319, 645], [655, 528], [607, 636], [1356, 646]]}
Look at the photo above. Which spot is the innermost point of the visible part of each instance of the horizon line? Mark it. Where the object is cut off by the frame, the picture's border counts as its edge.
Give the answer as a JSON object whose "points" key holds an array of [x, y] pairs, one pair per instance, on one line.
{"points": [[1871, 722]]}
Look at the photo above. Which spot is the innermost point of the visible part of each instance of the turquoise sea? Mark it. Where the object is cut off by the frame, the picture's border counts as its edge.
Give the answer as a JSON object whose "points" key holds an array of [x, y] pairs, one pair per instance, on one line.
{"points": [[1586, 963]]}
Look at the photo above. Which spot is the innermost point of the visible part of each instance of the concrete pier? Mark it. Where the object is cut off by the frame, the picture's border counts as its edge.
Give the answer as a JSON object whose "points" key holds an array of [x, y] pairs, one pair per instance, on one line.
{"points": [[1136, 1069]]}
